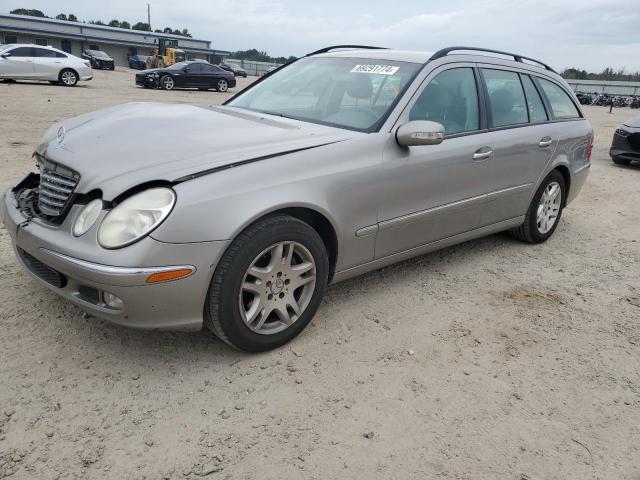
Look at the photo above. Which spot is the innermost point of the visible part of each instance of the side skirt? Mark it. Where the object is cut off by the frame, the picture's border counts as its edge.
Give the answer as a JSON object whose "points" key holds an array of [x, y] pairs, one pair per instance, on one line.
{"points": [[429, 247]]}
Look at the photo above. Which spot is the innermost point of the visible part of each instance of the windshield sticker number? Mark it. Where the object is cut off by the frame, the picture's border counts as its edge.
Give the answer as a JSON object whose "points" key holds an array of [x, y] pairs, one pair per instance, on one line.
{"points": [[378, 69]]}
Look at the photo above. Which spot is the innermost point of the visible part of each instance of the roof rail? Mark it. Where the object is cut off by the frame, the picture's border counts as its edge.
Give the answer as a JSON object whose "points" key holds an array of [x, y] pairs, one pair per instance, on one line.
{"points": [[518, 58], [335, 47]]}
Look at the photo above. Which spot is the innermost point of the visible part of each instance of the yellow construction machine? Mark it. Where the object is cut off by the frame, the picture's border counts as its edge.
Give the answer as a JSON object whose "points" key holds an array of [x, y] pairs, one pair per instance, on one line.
{"points": [[165, 54]]}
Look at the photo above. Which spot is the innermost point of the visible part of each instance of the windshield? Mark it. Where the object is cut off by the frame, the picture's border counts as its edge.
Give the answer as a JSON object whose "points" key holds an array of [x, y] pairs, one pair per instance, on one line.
{"points": [[354, 93], [98, 54]]}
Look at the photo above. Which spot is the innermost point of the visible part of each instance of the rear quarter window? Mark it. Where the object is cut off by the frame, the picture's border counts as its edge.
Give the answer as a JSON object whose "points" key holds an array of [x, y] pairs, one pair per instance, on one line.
{"points": [[561, 104]]}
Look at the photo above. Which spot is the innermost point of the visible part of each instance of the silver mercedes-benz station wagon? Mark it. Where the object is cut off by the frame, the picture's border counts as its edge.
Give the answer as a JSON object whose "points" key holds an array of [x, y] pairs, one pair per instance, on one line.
{"points": [[346, 160]]}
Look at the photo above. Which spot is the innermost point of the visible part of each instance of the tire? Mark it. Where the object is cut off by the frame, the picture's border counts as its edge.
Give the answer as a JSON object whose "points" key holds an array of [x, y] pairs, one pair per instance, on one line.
{"points": [[533, 231], [68, 78], [620, 161], [222, 85], [167, 82], [228, 303]]}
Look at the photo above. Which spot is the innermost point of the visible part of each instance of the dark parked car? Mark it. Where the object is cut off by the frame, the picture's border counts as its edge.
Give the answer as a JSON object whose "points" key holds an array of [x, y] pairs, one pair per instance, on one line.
{"points": [[138, 62], [99, 59], [625, 147], [191, 74], [237, 71]]}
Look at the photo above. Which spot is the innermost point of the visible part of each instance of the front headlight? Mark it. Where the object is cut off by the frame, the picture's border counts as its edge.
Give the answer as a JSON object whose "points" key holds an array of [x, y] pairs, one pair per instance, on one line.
{"points": [[87, 217], [622, 132], [136, 217]]}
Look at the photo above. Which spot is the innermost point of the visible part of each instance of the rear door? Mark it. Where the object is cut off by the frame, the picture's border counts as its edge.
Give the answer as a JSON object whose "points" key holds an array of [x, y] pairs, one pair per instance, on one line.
{"points": [[210, 75], [17, 63], [47, 63], [524, 141], [433, 192]]}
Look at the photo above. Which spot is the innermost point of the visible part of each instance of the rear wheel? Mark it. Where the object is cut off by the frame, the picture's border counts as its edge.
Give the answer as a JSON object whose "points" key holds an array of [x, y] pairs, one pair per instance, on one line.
{"points": [[544, 211], [167, 82], [222, 85], [268, 285], [68, 78]]}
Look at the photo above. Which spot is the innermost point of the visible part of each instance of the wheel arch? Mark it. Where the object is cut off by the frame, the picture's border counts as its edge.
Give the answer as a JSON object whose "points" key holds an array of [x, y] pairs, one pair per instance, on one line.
{"points": [[566, 175], [314, 217]]}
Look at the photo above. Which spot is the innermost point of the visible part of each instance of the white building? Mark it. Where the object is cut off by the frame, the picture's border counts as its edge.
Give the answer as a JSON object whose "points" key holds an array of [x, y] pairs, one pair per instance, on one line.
{"points": [[75, 37], [605, 86]]}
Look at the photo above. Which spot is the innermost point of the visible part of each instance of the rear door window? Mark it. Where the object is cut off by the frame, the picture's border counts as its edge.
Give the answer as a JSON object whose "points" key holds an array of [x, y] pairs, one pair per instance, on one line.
{"points": [[537, 112], [561, 104], [44, 53], [506, 97], [450, 98]]}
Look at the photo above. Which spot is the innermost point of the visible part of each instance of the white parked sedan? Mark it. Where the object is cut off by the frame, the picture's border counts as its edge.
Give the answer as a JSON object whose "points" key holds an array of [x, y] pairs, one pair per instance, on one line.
{"points": [[33, 62]]}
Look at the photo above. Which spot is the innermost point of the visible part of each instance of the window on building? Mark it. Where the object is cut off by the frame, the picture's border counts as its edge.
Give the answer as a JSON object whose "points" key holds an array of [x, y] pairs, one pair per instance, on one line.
{"points": [[94, 47], [66, 46], [10, 39], [42, 42]]}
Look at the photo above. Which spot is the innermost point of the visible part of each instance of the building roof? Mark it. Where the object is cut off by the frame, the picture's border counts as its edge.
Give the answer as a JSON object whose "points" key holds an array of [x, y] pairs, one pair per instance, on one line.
{"points": [[98, 33], [612, 83]]}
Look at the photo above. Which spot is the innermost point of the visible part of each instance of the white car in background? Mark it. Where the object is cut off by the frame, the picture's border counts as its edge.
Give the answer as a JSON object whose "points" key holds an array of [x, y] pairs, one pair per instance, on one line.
{"points": [[34, 62]]}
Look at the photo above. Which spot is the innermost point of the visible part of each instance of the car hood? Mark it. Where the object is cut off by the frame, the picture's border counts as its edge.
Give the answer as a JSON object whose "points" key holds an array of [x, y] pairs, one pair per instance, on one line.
{"points": [[124, 146], [633, 123]]}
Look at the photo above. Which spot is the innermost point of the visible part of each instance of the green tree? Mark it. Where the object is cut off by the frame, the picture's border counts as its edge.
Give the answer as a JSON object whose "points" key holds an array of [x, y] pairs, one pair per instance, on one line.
{"points": [[72, 18], [114, 23], [124, 24], [61, 16], [141, 26], [28, 12]]}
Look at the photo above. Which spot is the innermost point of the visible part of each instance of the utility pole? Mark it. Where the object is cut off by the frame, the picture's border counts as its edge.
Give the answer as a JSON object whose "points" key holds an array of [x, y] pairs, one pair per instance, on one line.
{"points": [[149, 15]]}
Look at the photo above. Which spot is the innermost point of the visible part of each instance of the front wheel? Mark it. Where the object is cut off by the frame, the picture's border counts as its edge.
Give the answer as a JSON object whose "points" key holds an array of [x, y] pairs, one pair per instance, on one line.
{"points": [[68, 78], [222, 85], [268, 285], [167, 82], [544, 212]]}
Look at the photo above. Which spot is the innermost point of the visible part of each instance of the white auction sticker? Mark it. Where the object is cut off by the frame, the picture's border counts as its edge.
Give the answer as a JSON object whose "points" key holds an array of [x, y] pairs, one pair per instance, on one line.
{"points": [[379, 69]]}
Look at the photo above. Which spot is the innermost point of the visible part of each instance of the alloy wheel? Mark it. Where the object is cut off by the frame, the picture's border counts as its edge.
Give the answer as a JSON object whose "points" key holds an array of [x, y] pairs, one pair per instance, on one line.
{"points": [[549, 207], [69, 78], [222, 85], [167, 83], [277, 287]]}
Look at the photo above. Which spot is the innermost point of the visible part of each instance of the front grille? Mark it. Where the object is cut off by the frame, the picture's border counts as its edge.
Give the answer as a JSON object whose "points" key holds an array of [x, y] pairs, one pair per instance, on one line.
{"points": [[634, 140], [41, 270], [57, 184]]}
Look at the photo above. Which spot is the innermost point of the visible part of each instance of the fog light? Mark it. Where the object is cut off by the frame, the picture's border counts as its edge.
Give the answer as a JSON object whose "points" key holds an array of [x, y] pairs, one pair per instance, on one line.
{"points": [[112, 300]]}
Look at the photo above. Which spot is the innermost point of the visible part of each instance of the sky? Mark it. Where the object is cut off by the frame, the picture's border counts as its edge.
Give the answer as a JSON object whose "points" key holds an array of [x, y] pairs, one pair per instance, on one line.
{"points": [[588, 34]]}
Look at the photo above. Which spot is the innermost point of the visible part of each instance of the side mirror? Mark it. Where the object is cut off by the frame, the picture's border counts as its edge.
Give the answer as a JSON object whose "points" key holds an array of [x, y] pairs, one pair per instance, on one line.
{"points": [[5, 55], [420, 132]]}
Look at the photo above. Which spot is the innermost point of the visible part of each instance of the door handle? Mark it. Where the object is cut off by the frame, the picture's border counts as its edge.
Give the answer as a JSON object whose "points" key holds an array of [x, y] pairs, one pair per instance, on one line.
{"points": [[545, 142], [483, 153]]}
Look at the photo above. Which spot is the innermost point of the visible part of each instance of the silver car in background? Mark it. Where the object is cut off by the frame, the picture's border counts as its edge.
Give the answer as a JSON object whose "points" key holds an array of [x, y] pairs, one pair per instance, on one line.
{"points": [[346, 160], [34, 62]]}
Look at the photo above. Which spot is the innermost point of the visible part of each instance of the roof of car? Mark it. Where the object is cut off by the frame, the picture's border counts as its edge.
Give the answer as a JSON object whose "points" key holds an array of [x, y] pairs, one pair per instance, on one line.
{"points": [[471, 53]]}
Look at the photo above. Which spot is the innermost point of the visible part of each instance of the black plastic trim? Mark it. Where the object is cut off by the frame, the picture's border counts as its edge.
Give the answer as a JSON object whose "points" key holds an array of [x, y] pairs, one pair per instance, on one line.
{"points": [[518, 58]]}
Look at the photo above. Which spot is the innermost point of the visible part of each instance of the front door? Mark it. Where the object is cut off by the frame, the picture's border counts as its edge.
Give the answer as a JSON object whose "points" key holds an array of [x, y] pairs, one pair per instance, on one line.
{"points": [[437, 191], [17, 63]]}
